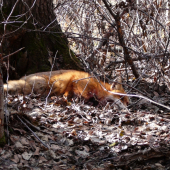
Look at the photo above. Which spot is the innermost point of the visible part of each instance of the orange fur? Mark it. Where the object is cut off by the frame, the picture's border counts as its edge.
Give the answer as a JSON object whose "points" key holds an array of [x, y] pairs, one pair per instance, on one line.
{"points": [[69, 83]]}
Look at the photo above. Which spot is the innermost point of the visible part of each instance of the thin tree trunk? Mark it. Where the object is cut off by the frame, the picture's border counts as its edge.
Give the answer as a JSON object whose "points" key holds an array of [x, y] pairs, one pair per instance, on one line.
{"points": [[2, 136], [127, 57]]}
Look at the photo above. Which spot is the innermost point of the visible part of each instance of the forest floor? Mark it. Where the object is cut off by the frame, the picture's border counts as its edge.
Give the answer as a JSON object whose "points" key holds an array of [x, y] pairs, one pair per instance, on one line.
{"points": [[60, 135]]}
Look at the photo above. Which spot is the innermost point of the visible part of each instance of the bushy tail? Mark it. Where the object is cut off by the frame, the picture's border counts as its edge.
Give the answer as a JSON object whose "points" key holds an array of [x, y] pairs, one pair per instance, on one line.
{"points": [[17, 87]]}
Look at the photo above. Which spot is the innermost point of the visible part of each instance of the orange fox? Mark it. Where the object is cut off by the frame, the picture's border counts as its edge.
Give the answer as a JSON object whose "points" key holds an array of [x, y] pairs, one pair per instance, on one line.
{"points": [[69, 83]]}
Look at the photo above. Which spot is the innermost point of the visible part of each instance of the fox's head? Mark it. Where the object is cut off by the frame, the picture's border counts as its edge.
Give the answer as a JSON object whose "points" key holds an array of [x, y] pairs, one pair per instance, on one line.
{"points": [[117, 92]]}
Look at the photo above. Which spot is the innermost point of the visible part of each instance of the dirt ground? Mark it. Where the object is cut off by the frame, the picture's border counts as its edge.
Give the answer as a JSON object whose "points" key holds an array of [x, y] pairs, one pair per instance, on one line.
{"points": [[61, 135]]}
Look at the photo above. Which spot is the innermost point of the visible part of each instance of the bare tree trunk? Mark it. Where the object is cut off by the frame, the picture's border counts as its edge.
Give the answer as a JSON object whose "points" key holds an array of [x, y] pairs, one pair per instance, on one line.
{"points": [[2, 136], [33, 25]]}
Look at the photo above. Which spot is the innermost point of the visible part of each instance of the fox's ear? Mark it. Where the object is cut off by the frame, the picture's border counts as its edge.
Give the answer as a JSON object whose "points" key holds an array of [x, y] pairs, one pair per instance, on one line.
{"points": [[113, 85], [116, 85]]}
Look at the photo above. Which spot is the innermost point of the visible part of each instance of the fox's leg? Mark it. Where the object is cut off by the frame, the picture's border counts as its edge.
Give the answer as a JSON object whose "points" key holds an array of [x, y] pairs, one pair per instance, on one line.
{"points": [[69, 91]]}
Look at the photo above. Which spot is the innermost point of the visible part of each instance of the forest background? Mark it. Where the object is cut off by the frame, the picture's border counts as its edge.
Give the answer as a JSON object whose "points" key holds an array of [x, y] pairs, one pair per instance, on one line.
{"points": [[107, 38]]}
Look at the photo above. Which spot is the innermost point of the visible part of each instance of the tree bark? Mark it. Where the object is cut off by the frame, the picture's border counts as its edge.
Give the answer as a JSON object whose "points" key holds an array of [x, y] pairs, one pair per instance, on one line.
{"points": [[127, 57], [33, 25], [2, 135]]}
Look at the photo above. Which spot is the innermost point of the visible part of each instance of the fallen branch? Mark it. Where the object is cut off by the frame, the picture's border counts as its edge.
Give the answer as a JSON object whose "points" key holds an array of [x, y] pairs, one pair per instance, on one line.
{"points": [[32, 132]]}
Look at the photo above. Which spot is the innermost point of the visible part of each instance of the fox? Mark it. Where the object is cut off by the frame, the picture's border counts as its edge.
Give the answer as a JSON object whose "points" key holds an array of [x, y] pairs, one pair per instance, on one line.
{"points": [[69, 83]]}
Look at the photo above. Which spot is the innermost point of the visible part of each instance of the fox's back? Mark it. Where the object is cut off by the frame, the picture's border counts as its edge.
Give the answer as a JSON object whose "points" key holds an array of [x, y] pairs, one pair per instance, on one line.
{"points": [[61, 80], [56, 81], [66, 82]]}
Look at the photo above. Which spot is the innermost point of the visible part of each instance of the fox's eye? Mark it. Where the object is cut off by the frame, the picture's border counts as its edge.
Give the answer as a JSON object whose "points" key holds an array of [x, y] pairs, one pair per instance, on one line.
{"points": [[124, 100]]}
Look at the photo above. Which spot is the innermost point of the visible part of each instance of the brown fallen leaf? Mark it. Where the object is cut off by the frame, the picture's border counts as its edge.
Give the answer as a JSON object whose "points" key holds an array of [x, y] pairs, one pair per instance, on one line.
{"points": [[37, 151], [15, 159]]}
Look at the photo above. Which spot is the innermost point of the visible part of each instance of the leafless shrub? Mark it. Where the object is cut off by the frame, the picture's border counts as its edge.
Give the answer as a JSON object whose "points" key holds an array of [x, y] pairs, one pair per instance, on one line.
{"points": [[115, 35]]}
